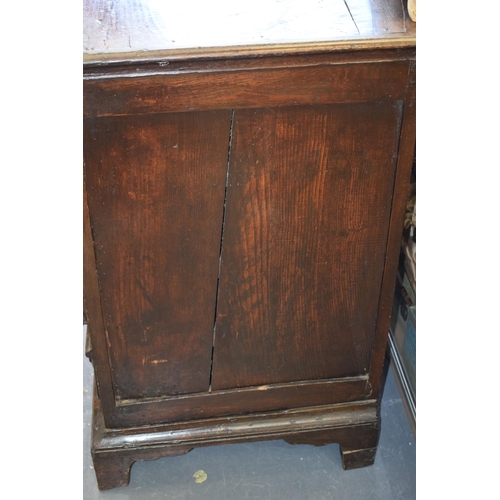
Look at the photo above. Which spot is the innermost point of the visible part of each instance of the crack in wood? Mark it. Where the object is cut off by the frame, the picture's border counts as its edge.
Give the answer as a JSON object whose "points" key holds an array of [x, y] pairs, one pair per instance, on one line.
{"points": [[349, 10], [221, 242]]}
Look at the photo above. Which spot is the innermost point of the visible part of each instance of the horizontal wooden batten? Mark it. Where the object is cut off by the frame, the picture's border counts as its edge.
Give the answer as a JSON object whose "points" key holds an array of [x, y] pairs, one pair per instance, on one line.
{"points": [[198, 432], [175, 65], [324, 84], [357, 44], [234, 402]]}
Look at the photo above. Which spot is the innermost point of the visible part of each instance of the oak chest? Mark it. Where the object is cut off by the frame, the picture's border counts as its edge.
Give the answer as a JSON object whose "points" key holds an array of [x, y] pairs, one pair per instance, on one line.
{"points": [[245, 176]]}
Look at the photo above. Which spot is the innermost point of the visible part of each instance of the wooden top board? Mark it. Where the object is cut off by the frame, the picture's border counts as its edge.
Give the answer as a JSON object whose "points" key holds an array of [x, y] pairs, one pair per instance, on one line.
{"points": [[147, 30]]}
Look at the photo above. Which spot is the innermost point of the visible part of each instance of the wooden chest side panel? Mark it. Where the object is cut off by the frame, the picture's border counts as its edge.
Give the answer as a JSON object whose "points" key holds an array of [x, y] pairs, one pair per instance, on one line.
{"points": [[156, 193], [308, 206]]}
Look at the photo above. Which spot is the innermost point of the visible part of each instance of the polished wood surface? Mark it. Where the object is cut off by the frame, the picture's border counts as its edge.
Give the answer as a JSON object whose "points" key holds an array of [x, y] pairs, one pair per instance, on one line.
{"points": [[304, 242], [155, 192], [146, 28], [243, 208]]}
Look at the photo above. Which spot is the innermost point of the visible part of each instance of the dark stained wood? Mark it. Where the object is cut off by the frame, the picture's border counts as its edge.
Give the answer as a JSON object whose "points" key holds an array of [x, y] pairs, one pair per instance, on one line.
{"points": [[114, 451], [357, 458], [401, 186], [362, 436], [88, 345], [358, 445], [156, 194], [233, 402], [307, 217], [140, 30], [231, 62], [85, 315], [85, 320], [258, 54], [363, 415], [245, 89], [95, 328], [313, 104], [112, 470]]}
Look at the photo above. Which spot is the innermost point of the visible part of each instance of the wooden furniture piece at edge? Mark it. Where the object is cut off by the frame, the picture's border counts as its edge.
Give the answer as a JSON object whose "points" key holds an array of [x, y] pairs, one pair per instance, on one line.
{"points": [[340, 409]]}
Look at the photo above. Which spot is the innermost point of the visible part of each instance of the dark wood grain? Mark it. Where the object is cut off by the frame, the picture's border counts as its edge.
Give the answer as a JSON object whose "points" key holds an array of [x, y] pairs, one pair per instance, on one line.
{"points": [[357, 436], [88, 345], [96, 329], [401, 186], [156, 192], [234, 402], [85, 319], [112, 468], [308, 207], [355, 459], [245, 89], [227, 61], [310, 108], [114, 451]]}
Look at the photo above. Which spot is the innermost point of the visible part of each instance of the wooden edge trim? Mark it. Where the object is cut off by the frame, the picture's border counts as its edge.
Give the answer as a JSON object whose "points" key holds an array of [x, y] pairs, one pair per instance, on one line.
{"points": [[226, 403], [88, 345], [306, 384], [95, 328], [239, 51], [229, 66], [257, 426], [401, 186]]}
